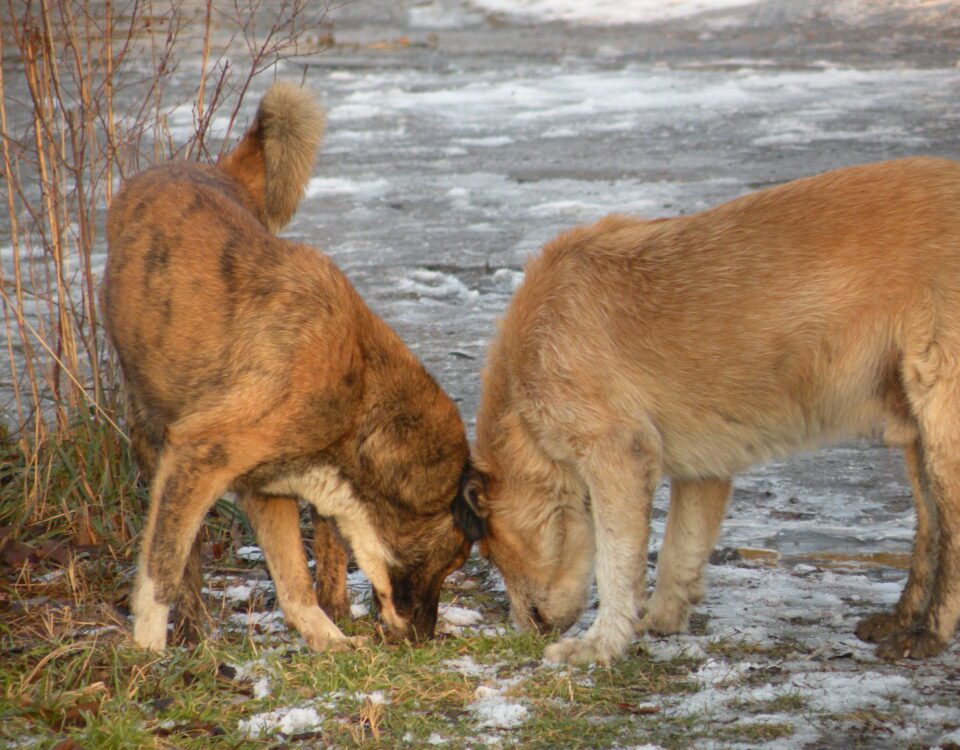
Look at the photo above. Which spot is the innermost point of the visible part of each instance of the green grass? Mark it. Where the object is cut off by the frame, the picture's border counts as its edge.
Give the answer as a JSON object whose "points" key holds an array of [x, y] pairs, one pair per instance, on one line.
{"points": [[69, 673]]}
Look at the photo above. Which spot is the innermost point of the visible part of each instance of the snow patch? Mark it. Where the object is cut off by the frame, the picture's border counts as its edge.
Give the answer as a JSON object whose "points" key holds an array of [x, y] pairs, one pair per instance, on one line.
{"points": [[262, 688], [284, 720], [243, 592], [460, 616], [467, 666], [494, 710], [250, 554], [376, 697]]}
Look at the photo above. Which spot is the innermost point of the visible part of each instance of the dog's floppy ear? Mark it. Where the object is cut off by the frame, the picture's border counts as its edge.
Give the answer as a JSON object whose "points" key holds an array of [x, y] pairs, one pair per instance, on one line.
{"points": [[468, 508]]}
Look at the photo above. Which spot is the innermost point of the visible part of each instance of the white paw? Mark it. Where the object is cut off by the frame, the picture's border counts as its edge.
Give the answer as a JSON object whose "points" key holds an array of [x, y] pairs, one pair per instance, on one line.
{"points": [[581, 651], [149, 617]]}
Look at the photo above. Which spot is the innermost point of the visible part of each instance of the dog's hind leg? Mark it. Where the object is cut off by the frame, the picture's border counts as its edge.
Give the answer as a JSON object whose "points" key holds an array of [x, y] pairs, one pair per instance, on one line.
{"points": [[915, 598], [331, 559], [276, 522], [146, 440], [621, 472], [189, 480], [693, 525], [938, 414]]}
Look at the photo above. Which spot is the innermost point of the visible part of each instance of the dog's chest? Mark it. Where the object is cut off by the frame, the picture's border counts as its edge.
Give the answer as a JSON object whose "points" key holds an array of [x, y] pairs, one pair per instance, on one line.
{"points": [[322, 486]]}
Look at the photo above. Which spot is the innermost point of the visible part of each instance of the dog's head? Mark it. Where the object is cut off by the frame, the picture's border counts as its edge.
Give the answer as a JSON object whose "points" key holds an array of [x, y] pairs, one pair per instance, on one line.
{"points": [[540, 539], [429, 549], [412, 465]]}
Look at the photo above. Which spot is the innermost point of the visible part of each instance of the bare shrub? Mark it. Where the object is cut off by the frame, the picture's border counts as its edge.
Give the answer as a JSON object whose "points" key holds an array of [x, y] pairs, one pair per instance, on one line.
{"points": [[92, 91]]}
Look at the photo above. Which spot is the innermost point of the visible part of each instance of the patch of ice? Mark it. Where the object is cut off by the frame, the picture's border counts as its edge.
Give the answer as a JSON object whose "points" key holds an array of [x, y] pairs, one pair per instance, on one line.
{"points": [[340, 186], [346, 112], [840, 692], [438, 15], [436, 739], [607, 12], [715, 672], [494, 710], [614, 12], [359, 610], [284, 720], [559, 133], [437, 285], [661, 649], [493, 141]]}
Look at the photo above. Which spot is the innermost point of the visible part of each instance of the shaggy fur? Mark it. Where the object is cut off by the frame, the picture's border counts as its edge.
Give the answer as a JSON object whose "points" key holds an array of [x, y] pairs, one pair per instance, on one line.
{"points": [[702, 345], [250, 364]]}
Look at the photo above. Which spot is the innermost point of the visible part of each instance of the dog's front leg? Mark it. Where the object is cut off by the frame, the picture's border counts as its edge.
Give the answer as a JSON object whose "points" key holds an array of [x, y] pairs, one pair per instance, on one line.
{"points": [[276, 523], [621, 473], [693, 525]]}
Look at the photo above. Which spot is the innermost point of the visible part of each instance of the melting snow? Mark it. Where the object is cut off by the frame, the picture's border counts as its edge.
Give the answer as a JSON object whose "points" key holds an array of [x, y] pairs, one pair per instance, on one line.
{"points": [[261, 688], [460, 616], [284, 720], [494, 710]]}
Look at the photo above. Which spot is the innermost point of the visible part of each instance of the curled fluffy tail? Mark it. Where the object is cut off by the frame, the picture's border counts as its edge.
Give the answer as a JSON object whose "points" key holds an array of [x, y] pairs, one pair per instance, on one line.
{"points": [[276, 156]]}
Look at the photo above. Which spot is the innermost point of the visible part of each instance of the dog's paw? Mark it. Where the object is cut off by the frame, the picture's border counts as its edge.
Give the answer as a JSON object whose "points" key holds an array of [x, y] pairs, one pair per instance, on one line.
{"points": [[917, 644], [335, 644], [664, 620], [318, 631], [580, 651], [348, 643], [879, 627]]}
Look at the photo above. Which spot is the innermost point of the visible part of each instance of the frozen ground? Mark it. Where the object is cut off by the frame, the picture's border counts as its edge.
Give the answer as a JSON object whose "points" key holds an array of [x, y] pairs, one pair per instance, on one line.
{"points": [[449, 161], [463, 135]]}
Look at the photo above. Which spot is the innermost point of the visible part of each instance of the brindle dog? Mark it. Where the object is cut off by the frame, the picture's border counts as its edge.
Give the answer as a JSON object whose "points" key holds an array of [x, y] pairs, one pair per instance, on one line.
{"points": [[251, 364]]}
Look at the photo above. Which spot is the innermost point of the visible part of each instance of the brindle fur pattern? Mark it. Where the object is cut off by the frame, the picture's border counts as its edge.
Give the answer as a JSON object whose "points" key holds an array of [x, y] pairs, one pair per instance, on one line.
{"points": [[701, 345], [251, 364]]}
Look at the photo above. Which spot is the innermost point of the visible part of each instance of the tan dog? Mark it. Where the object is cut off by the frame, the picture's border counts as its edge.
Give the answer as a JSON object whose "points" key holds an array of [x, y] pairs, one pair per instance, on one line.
{"points": [[251, 364], [702, 345]]}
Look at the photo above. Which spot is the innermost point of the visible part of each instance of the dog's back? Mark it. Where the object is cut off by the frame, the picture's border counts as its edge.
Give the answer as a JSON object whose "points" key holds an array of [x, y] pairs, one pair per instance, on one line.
{"points": [[701, 345], [799, 301]]}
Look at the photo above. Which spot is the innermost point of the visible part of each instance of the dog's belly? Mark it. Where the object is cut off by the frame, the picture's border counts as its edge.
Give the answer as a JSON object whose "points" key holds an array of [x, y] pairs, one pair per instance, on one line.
{"points": [[722, 441]]}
